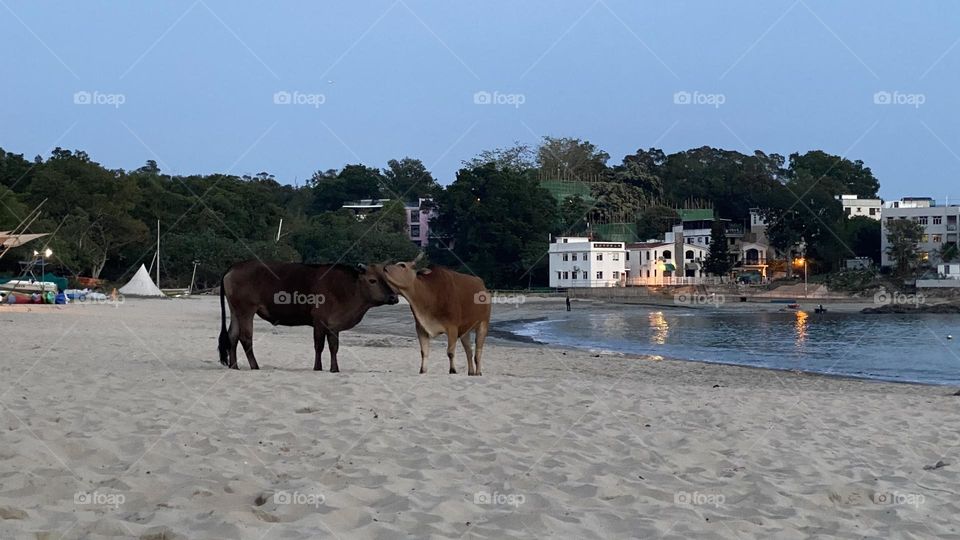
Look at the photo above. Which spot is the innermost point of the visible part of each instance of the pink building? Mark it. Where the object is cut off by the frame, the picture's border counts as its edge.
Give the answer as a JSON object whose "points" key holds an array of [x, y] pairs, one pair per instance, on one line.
{"points": [[418, 215]]}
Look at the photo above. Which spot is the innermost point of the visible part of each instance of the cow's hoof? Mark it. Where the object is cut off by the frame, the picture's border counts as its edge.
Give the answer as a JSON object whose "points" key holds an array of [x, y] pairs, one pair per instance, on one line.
{"points": [[476, 374], [453, 371], [422, 371], [334, 370]]}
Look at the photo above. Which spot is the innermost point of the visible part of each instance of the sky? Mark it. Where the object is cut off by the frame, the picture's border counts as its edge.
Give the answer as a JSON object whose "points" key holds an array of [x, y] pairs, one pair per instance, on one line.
{"points": [[204, 86]]}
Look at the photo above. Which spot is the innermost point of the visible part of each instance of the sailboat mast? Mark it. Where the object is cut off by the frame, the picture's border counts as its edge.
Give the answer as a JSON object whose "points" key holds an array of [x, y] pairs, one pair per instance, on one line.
{"points": [[158, 253]]}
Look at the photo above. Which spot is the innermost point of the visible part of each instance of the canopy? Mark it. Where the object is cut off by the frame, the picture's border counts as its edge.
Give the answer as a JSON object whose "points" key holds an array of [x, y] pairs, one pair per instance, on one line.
{"points": [[141, 285], [10, 240]]}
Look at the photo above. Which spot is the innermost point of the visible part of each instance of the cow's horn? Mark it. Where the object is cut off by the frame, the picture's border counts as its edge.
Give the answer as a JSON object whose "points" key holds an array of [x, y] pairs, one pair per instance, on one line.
{"points": [[419, 257], [361, 267]]}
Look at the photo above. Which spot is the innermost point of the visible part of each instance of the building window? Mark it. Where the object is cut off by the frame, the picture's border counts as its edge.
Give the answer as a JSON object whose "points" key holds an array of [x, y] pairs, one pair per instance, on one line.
{"points": [[583, 257], [599, 256], [937, 238], [584, 275], [667, 254], [599, 275], [616, 274], [925, 238], [415, 231], [566, 275], [921, 220], [574, 256], [559, 275], [937, 220], [648, 256], [415, 215], [689, 255], [648, 273], [873, 212], [616, 257], [565, 256], [628, 255]]}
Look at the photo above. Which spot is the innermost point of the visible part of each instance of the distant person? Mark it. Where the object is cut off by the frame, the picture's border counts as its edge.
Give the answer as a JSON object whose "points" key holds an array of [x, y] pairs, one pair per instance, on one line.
{"points": [[568, 303]]}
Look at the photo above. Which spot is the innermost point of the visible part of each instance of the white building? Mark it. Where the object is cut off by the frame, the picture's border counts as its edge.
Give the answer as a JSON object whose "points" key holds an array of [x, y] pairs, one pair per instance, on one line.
{"points": [[949, 270], [579, 262], [854, 206], [665, 263], [939, 225]]}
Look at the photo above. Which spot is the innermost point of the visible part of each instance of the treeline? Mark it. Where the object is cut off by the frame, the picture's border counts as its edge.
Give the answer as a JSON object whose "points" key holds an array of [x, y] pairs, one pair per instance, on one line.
{"points": [[493, 220]]}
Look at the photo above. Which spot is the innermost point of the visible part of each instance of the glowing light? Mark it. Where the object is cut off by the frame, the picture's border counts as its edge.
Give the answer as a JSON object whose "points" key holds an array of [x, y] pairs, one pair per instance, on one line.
{"points": [[800, 325], [660, 326]]}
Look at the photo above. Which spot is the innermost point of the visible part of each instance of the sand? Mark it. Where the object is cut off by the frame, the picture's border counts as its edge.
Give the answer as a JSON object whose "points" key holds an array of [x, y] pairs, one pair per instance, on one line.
{"points": [[119, 422]]}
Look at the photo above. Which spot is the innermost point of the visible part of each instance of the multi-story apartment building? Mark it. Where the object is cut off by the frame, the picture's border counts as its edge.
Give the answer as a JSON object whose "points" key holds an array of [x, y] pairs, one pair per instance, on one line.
{"points": [[580, 262], [939, 223], [854, 206]]}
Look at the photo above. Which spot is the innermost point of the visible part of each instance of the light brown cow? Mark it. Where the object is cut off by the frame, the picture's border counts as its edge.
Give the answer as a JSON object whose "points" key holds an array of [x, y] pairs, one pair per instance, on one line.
{"points": [[444, 302]]}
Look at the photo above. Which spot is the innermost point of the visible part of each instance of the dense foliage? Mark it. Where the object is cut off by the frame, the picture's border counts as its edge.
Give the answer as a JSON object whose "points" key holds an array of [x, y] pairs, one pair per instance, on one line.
{"points": [[494, 219]]}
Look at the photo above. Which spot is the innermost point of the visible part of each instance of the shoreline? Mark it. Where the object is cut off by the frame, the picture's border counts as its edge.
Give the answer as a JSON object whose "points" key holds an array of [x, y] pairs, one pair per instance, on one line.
{"points": [[498, 331], [121, 422]]}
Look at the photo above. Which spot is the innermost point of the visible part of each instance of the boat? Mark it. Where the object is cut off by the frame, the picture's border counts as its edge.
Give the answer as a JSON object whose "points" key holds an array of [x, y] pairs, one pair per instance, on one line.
{"points": [[29, 286]]}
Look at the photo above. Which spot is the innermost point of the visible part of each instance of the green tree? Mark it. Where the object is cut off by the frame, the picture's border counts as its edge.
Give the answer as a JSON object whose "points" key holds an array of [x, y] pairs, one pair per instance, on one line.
{"points": [[862, 236], [654, 220], [519, 157], [903, 240], [571, 158], [837, 175], [573, 216], [495, 222], [718, 262], [408, 179]]}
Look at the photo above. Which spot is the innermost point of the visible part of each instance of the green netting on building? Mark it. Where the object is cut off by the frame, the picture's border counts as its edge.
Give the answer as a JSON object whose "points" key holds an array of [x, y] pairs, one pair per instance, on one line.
{"points": [[616, 232], [563, 189], [696, 214]]}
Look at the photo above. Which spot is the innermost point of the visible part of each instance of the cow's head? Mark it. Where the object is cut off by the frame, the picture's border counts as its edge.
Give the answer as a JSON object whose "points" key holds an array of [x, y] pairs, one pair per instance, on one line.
{"points": [[374, 286], [402, 275]]}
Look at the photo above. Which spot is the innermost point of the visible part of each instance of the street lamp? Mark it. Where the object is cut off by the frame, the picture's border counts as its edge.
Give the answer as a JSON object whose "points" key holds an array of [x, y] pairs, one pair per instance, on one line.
{"points": [[803, 261]]}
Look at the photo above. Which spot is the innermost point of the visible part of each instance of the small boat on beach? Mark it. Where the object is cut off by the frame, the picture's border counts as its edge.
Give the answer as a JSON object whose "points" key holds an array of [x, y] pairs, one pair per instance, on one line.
{"points": [[29, 286]]}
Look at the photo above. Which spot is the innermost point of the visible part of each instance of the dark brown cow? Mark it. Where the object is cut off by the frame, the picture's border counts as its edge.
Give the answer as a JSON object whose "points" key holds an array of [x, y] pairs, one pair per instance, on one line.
{"points": [[444, 302], [329, 297]]}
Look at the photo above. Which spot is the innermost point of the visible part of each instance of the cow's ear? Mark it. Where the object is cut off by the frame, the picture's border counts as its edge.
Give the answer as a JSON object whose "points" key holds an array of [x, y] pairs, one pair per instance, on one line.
{"points": [[362, 268], [423, 271]]}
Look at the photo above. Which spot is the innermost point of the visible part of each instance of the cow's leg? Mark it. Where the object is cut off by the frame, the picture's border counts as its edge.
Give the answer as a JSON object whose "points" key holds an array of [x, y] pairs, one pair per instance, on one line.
{"points": [[246, 339], [467, 348], [452, 348], [234, 334], [481, 337], [334, 339], [319, 338], [424, 340]]}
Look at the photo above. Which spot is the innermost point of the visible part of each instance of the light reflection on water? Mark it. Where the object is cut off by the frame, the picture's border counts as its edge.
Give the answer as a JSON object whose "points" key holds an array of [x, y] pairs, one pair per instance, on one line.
{"points": [[888, 347]]}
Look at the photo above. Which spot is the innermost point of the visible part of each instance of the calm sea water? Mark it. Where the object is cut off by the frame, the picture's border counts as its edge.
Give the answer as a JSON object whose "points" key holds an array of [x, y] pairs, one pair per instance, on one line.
{"points": [[901, 348]]}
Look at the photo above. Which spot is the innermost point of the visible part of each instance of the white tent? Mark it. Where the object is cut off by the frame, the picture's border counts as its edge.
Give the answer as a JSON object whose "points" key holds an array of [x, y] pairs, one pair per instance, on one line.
{"points": [[141, 285]]}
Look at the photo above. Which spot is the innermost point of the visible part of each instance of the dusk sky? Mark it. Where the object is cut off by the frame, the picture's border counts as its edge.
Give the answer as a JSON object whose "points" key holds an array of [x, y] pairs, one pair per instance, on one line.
{"points": [[203, 86]]}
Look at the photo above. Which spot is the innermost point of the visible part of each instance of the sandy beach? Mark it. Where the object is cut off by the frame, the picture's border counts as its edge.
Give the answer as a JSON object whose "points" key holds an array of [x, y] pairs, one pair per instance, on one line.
{"points": [[118, 422]]}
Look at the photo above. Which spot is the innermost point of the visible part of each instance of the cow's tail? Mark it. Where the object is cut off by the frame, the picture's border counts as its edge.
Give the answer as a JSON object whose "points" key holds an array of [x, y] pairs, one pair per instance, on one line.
{"points": [[224, 342]]}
